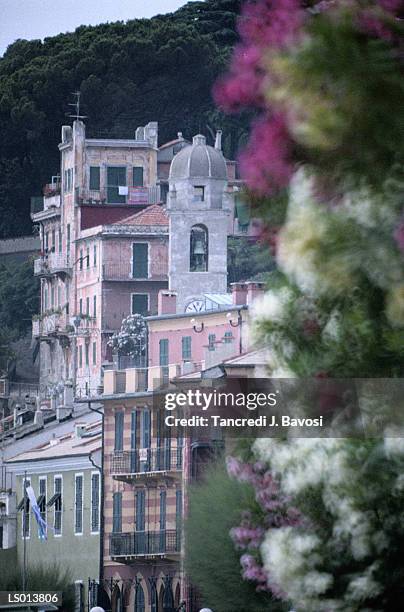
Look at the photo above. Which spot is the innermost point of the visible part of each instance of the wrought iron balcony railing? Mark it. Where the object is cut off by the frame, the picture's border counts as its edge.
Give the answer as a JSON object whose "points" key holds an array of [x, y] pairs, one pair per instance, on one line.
{"points": [[143, 543], [146, 460]]}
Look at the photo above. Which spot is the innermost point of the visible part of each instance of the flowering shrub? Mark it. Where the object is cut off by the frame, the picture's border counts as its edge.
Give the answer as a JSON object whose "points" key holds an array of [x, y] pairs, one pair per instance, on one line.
{"points": [[131, 338], [327, 86]]}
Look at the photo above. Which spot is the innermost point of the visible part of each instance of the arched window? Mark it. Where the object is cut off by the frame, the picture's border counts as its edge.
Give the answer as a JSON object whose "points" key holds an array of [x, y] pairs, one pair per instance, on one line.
{"points": [[139, 599], [199, 249]]}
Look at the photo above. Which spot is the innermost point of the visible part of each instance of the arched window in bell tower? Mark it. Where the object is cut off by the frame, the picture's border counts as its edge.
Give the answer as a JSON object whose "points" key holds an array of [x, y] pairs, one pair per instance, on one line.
{"points": [[199, 249]]}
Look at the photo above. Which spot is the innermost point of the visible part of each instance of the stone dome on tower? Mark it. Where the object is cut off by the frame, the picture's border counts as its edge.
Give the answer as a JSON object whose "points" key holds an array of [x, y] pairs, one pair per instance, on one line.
{"points": [[199, 160]]}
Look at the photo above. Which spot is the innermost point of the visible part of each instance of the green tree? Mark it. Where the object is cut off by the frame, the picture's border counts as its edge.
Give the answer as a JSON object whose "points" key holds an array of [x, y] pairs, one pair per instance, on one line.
{"points": [[128, 73], [215, 506]]}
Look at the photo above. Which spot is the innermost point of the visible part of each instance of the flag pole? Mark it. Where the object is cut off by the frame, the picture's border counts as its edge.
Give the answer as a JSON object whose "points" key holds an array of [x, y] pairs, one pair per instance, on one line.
{"points": [[24, 514]]}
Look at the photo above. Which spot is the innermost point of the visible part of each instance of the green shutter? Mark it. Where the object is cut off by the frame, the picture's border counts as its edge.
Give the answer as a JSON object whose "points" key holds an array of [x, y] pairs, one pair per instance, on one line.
{"points": [[186, 347], [119, 431], [137, 177], [117, 513], [95, 178], [140, 253], [163, 346]]}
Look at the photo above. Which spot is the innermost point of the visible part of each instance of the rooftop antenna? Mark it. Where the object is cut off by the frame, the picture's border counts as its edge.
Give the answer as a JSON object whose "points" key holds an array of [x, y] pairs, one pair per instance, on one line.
{"points": [[76, 106]]}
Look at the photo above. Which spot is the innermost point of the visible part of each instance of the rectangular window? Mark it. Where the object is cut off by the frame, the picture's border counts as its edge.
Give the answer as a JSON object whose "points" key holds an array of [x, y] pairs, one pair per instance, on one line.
{"points": [[140, 510], [199, 194], [54, 241], [186, 347], [140, 260], [94, 353], [95, 306], [178, 516], [80, 356], [81, 305], [87, 306], [211, 342], [163, 352], [95, 502], [116, 178], [228, 337], [78, 504], [88, 257], [81, 259], [95, 255], [25, 510], [57, 524], [86, 351], [41, 500], [140, 303], [133, 441], [47, 242], [137, 176], [163, 518], [145, 429], [59, 294], [117, 512], [60, 240], [95, 178], [119, 431], [52, 297]]}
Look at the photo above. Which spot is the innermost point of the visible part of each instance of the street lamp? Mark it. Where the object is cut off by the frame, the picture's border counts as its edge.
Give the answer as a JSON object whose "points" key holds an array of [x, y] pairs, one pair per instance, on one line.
{"points": [[195, 324], [237, 323]]}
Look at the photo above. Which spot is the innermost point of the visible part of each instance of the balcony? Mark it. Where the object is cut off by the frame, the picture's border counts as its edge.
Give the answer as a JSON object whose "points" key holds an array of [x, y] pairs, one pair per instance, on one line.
{"points": [[136, 196], [123, 271], [50, 325], [145, 545], [150, 463], [135, 380], [48, 205], [50, 264]]}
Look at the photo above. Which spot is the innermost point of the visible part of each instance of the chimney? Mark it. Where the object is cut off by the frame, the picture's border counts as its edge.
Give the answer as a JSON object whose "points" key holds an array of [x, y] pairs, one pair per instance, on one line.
{"points": [[218, 141], [79, 430], [239, 293], [180, 136], [166, 302], [254, 290]]}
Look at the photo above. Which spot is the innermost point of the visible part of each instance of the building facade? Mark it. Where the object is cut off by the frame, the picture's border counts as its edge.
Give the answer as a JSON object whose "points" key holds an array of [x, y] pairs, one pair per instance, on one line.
{"points": [[66, 478]]}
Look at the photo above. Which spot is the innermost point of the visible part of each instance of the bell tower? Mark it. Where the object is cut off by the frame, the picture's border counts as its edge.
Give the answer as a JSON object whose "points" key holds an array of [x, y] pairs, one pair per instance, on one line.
{"points": [[198, 223]]}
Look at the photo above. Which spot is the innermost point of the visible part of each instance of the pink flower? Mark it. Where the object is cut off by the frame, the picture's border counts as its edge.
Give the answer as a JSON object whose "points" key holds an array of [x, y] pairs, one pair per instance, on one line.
{"points": [[266, 163], [399, 236]]}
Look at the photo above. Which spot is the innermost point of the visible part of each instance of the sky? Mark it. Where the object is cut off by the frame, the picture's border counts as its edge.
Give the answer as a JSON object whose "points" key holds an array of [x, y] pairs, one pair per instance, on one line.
{"points": [[40, 18]]}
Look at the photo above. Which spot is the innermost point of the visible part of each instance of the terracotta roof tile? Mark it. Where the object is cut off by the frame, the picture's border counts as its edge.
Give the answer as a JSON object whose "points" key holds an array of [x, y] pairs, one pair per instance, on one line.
{"points": [[152, 215]]}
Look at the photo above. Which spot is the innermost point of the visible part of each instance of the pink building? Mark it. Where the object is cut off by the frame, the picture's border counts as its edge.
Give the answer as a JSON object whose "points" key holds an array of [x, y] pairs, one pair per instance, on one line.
{"points": [[104, 253]]}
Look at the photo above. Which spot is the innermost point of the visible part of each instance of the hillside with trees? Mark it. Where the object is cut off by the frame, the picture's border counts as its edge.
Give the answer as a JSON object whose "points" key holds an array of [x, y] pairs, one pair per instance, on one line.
{"points": [[128, 74]]}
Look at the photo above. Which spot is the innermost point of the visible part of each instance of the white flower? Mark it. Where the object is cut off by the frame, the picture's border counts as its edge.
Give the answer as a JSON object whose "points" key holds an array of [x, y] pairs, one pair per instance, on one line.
{"points": [[272, 305]]}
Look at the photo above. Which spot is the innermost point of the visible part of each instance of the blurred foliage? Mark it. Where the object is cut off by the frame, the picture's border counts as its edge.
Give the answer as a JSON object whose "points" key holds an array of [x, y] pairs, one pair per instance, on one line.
{"points": [[128, 73], [247, 260], [215, 506], [46, 577]]}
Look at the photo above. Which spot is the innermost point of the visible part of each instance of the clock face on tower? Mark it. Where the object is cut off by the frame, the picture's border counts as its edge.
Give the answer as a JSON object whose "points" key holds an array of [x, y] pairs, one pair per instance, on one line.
{"points": [[197, 305]]}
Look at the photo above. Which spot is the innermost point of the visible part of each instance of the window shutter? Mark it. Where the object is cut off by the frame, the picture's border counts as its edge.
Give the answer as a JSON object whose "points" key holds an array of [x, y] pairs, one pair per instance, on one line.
{"points": [[163, 506], [117, 513], [119, 431], [94, 178], [140, 511], [137, 179], [163, 346], [140, 260], [95, 502], [146, 428], [78, 523], [186, 347]]}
